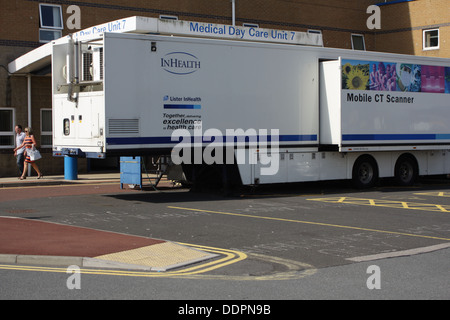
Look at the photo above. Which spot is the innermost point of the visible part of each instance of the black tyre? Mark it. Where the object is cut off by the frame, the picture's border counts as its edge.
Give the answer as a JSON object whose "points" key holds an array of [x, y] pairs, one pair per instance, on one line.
{"points": [[406, 170], [365, 172]]}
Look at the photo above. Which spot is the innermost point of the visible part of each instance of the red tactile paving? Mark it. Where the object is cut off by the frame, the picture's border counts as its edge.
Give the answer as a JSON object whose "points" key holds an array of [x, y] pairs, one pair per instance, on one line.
{"points": [[32, 237]]}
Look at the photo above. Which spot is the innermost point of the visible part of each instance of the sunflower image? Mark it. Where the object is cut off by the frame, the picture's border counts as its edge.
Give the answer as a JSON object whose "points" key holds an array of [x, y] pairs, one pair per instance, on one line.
{"points": [[347, 68], [357, 79]]}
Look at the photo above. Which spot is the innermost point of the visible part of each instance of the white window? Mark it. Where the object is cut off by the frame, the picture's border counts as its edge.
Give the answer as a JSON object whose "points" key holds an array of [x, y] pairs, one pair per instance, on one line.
{"points": [[250, 25], [46, 127], [314, 31], [51, 22], [49, 35], [166, 17], [358, 42], [431, 39], [7, 128], [51, 16], [317, 32]]}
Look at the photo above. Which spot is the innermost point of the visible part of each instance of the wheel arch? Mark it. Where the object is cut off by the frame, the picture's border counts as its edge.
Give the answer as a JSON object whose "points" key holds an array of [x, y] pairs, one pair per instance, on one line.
{"points": [[407, 155]]}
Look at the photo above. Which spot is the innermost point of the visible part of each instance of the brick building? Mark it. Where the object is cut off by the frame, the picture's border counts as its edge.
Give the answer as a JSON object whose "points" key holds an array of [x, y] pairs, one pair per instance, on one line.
{"points": [[418, 27]]}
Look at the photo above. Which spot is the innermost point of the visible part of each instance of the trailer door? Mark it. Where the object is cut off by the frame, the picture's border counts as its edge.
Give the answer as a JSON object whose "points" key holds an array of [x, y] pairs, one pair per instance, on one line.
{"points": [[330, 103]]}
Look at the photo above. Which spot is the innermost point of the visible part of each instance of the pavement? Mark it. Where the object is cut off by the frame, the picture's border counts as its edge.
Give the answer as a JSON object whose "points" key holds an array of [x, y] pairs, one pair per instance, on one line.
{"points": [[33, 242], [60, 179]]}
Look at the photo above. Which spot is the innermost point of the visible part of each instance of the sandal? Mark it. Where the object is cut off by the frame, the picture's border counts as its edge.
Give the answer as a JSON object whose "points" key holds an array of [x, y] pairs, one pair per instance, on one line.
{"points": [[40, 176], [22, 178]]}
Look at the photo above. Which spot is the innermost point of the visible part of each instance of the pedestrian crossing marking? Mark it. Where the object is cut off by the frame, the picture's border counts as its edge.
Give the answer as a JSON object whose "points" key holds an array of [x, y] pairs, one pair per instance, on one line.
{"points": [[386, 203]]}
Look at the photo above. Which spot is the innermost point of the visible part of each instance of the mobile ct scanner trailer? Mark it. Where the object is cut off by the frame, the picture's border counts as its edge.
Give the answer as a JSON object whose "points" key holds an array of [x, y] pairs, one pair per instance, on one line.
{"points": [[126, 93]]}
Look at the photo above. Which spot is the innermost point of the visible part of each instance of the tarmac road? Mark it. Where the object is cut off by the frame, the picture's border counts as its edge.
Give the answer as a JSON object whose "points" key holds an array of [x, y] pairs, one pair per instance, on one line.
{"points": [[305, 241], [417, 277]]}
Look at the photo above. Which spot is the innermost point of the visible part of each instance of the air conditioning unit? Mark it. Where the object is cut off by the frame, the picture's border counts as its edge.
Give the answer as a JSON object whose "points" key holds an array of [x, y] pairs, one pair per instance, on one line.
{"points": [[92, 64]]}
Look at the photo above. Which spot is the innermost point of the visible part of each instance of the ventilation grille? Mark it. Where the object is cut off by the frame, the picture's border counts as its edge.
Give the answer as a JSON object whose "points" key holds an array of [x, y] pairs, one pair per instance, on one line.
{"points": [[92, 65], [100, 52], [87, 67], [123, 126]]}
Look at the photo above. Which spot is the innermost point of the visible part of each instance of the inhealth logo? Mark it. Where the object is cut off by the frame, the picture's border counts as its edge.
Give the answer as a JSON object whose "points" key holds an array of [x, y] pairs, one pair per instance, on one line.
{"points": [[180, 63]]}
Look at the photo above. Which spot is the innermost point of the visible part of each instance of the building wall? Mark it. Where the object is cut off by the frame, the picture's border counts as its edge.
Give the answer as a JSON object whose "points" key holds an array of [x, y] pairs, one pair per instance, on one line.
{"points": [[403, 24], [401, 32]]}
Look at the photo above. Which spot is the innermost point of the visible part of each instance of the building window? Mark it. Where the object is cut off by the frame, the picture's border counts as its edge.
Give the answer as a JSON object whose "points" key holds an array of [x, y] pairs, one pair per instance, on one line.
{"points": [[51, 22], [250, 25], [358, 42], [314, 31], [46, 128], [386, 2], [167, 17], [431, 39], [49, 35], [6, 128], [51, 16], [317, 32]]}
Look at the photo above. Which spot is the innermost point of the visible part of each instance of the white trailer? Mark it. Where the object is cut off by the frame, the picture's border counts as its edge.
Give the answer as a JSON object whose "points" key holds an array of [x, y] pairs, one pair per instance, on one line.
{"points": [[335, 114]]}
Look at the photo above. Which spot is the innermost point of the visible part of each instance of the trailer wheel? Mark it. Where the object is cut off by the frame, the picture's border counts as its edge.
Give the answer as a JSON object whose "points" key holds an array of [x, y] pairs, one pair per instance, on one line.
{"points": [[406, 170], [365, 172]]}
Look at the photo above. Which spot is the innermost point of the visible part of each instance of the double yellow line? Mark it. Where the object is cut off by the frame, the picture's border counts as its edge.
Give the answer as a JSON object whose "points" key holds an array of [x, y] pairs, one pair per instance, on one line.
{"points": [[229, 257]]}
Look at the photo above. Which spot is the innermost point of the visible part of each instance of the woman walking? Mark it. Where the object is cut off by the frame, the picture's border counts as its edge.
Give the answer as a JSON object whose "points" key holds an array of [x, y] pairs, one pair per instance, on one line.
{"points": [[28, 143]]}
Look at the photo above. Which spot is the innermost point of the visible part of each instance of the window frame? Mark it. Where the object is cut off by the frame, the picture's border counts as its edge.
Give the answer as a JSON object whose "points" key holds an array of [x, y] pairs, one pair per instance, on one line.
{"points": [[363, 41], [314, 31], [55, 29], [41, 21], [167, 17], [52, 30], [46, 133], [250, 25], [12, 132], [424, 47]]}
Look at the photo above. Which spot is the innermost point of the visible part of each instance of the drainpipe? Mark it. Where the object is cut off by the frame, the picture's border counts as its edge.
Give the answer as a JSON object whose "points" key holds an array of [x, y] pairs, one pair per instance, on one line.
{"points": [[29, 109], [72, 67], [29, 98], [233, 12]]}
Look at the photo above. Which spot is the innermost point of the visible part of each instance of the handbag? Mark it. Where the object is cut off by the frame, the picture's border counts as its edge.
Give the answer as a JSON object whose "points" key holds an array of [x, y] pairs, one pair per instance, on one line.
{"points": [[34, 154]]}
